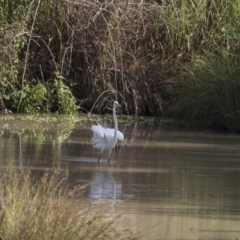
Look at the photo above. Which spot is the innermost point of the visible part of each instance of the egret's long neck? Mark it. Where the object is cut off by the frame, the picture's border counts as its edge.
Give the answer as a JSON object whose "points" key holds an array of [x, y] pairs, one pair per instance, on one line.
{"points": [[115, 121]]}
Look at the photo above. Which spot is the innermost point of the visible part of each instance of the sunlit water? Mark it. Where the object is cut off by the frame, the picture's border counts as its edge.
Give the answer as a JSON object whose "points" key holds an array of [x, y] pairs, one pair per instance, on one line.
{"points": [[166, 184]]}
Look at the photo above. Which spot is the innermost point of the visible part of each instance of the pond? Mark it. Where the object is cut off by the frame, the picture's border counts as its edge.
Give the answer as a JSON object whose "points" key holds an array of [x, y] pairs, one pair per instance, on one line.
{"points": [[165, 183]]}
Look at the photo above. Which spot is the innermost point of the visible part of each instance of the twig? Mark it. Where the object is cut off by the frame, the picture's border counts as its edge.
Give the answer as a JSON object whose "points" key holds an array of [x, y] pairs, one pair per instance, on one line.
{"points": [[98, 99]]}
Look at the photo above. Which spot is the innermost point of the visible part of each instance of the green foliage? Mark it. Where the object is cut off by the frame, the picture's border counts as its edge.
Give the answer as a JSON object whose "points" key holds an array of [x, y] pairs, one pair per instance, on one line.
{"points": [[33, 99], [11, 44], [30, 100], [209, 92], [63, 100]]}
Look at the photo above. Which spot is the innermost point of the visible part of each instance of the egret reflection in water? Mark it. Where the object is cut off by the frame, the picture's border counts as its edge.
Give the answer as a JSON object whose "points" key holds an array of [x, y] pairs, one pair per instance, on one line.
{"points": [[105, 188]]}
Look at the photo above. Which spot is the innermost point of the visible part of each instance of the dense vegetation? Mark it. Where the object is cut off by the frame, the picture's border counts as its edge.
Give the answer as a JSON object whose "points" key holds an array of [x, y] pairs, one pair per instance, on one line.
{"points": [[170, 58]]}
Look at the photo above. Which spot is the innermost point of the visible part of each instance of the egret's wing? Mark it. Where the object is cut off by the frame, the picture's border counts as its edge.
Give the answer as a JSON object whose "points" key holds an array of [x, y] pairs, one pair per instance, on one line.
{"points": [[98, 130], [101, 133], [98, 133], [120, 136], [109, 133]]}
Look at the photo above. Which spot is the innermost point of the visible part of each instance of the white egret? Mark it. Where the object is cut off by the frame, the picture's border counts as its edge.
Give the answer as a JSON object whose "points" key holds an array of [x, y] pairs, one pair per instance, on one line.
{"points": [[106, 138]]}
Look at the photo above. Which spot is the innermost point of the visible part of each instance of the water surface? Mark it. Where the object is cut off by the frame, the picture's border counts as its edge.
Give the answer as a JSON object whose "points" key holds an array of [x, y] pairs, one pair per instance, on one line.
{"points": [[167, 184]]}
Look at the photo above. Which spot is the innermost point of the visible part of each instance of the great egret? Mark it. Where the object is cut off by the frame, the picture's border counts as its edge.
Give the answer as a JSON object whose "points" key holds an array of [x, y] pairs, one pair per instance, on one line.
{"points": [[106, 138]]}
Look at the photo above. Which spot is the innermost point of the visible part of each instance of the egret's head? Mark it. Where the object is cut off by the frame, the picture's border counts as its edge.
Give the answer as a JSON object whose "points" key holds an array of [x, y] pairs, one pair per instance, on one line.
{"points": [[116, 102]]}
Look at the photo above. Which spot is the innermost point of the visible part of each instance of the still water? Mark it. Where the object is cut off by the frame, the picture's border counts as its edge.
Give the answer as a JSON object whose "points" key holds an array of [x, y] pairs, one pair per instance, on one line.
{"points": [[166, 184]]}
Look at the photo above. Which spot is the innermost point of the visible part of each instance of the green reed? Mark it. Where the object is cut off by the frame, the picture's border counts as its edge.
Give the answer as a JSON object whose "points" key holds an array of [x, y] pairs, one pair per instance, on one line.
{"points": [[208, 93]]}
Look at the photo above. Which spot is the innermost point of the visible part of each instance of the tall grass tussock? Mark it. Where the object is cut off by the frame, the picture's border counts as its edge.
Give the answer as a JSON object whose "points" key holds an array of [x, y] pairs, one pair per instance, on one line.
{"points": [[209, 93], [86, 53], [44, 208]]}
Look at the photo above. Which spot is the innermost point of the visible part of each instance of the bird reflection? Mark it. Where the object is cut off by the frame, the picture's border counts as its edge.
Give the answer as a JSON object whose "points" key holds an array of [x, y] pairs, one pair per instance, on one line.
{"points": [[105, 187]]}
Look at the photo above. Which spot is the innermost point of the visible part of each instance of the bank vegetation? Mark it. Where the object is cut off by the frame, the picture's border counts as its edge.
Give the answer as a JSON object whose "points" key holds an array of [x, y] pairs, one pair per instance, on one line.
{"points": [[176, 59]]}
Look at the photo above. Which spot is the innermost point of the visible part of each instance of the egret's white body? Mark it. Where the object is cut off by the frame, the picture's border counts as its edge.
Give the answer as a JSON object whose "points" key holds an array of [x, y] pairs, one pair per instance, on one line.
{"points": [[106, 138]]}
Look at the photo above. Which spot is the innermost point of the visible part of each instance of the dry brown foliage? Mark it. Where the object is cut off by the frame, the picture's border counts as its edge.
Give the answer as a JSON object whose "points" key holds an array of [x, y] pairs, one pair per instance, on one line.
{"points": [[114, 52]]}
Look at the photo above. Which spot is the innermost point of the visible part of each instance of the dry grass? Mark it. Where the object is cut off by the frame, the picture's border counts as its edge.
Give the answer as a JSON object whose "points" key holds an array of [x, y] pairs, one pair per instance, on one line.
{"points": [[116, 54], [34, 207]]}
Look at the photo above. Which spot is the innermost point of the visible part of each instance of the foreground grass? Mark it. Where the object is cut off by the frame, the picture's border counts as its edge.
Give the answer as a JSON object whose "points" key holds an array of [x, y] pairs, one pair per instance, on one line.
{"points": [[43, 208]]}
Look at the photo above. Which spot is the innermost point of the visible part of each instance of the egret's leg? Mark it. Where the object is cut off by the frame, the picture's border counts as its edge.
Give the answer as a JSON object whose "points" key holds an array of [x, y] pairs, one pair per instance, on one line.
{"points": [[109, 155], [99, 157]]}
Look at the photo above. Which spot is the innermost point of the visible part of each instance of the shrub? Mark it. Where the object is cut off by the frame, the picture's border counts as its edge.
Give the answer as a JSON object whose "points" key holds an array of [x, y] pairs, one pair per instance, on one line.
{"points": [[30, 100], [61, 97]]}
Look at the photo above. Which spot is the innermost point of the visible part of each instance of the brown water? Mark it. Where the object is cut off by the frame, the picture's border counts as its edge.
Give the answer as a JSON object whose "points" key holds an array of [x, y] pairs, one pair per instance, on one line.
{"points": [[167, 184]]}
